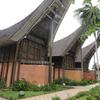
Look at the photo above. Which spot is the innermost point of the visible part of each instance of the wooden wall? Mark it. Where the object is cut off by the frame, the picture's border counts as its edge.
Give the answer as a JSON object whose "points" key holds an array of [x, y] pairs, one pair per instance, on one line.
{"points": [[32, 51], [7, 53]]}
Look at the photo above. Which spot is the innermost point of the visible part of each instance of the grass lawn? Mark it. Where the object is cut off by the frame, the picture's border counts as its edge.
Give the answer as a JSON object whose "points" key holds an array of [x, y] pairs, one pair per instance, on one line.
{"points": [[83, 98], [13, 95], [92, 94]]}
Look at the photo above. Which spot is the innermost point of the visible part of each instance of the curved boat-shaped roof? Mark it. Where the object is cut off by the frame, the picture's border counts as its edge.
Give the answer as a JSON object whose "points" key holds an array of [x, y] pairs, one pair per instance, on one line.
{"points": [[64, 45], [38, 20], [87, 52]]}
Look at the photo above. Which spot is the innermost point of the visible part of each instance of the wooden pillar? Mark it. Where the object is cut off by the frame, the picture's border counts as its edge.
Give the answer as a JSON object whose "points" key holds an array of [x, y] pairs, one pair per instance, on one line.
{"points": [[54, 73], [2, 71], [9, 50], [7, 71], [12, 73], [58, 73], [18, 71], [50, 51], [63, 67]]}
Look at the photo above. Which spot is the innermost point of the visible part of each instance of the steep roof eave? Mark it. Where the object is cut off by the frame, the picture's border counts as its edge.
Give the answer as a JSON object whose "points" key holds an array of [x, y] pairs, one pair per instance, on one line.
{"points": [[67, 44], [35, 17]]}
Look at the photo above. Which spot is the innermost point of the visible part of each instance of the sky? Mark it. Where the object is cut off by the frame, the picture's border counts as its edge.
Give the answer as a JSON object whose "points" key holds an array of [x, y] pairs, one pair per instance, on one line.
{"points": [[13, 11]]}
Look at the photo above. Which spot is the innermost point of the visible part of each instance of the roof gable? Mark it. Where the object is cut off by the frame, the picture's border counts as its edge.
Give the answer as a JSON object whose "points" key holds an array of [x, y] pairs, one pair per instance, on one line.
{"points": [[64, 45]]}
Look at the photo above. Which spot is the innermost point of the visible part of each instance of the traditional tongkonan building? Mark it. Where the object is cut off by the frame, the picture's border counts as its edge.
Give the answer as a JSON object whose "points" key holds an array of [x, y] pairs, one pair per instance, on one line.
{"points": [[24, 46], [64, 54]]}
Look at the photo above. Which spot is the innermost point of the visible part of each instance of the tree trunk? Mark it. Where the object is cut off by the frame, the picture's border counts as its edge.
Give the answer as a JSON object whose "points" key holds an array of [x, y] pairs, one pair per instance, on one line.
{"points": [[82, 71], [96, 50], [50, 51]]}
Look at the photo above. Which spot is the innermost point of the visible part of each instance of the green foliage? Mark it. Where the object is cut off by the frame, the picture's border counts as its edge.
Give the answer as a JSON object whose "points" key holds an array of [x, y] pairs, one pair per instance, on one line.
{"points": [[52, 87], [46, 88], [91, 98], [20, 85], [11, 98], [14, 95], [74, 82], [93, 94], [90, 17], [2, 84], [34, 87], [84, 36], [81, 94], [56, 98], [87, 1], [60, 81]]}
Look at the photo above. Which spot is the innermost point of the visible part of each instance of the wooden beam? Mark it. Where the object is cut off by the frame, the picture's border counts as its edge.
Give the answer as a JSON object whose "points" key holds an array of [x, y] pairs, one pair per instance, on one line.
{"points": [[62, 4], [35, 39], [51, 19]]}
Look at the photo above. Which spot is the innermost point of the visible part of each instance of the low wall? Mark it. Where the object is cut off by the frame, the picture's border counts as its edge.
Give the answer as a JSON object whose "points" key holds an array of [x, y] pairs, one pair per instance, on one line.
{"points": [[73, 74], [89, 75], [57, 73], [37, 74]]}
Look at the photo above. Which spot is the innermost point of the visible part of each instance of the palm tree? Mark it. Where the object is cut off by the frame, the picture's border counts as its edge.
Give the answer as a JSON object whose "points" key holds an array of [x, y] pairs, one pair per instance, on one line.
{"points": [[90, 18]]}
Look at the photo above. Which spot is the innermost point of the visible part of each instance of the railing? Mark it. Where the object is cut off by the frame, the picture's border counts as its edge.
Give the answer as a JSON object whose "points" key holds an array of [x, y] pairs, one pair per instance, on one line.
{"points": [[35, 62]]}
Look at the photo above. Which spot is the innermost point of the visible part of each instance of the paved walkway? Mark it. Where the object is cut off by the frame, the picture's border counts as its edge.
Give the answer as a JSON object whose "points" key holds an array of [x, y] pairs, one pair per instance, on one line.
{"points": [[62, 94], [2, 98]]}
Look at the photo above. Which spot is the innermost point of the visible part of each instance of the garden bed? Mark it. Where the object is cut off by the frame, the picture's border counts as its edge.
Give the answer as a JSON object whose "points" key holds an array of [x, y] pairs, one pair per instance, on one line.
{"points": [[93, 94], [23, 89]]}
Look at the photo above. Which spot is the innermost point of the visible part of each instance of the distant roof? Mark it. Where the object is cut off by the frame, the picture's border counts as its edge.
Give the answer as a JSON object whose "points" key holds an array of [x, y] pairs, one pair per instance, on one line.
{"points": [[65, 44], [87, 52], [35, 21]]}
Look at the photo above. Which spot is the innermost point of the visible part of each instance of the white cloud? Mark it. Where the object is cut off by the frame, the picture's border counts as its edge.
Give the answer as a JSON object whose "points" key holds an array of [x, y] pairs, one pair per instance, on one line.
{"points": [[12, 11]]}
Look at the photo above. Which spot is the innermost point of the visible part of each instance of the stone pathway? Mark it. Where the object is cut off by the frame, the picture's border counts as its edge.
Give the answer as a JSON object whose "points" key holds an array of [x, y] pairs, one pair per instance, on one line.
{"points": [[2, 98], [62, 94]]}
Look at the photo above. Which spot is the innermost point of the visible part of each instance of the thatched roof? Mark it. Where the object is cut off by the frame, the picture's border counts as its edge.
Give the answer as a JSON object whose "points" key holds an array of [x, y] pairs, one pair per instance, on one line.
{"points": [[38, 22], [87, 52], [64, 45]]}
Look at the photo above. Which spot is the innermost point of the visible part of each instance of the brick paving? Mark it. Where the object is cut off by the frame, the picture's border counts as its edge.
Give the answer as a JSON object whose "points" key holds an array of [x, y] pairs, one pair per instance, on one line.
{"points": [[62, 94]]}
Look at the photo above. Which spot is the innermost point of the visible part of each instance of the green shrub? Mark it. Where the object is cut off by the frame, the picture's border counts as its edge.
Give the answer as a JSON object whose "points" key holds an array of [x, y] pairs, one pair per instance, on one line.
{"points": [[2, 84], [91, 98], [11, 98], [87, 82], [34, 87], [74, 82], [20, 85], [84, 82], [81, 94], [58, 81], [56, 98], [46, 88]]}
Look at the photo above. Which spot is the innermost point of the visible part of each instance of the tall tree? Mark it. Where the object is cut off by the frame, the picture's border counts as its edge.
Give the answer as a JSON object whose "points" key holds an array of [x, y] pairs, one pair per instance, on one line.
{"points": [[90, 18]]}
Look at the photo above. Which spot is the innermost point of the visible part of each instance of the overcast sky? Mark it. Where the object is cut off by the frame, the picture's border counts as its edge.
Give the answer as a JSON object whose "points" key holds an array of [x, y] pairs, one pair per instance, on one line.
{"points": [[12, 11]]}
